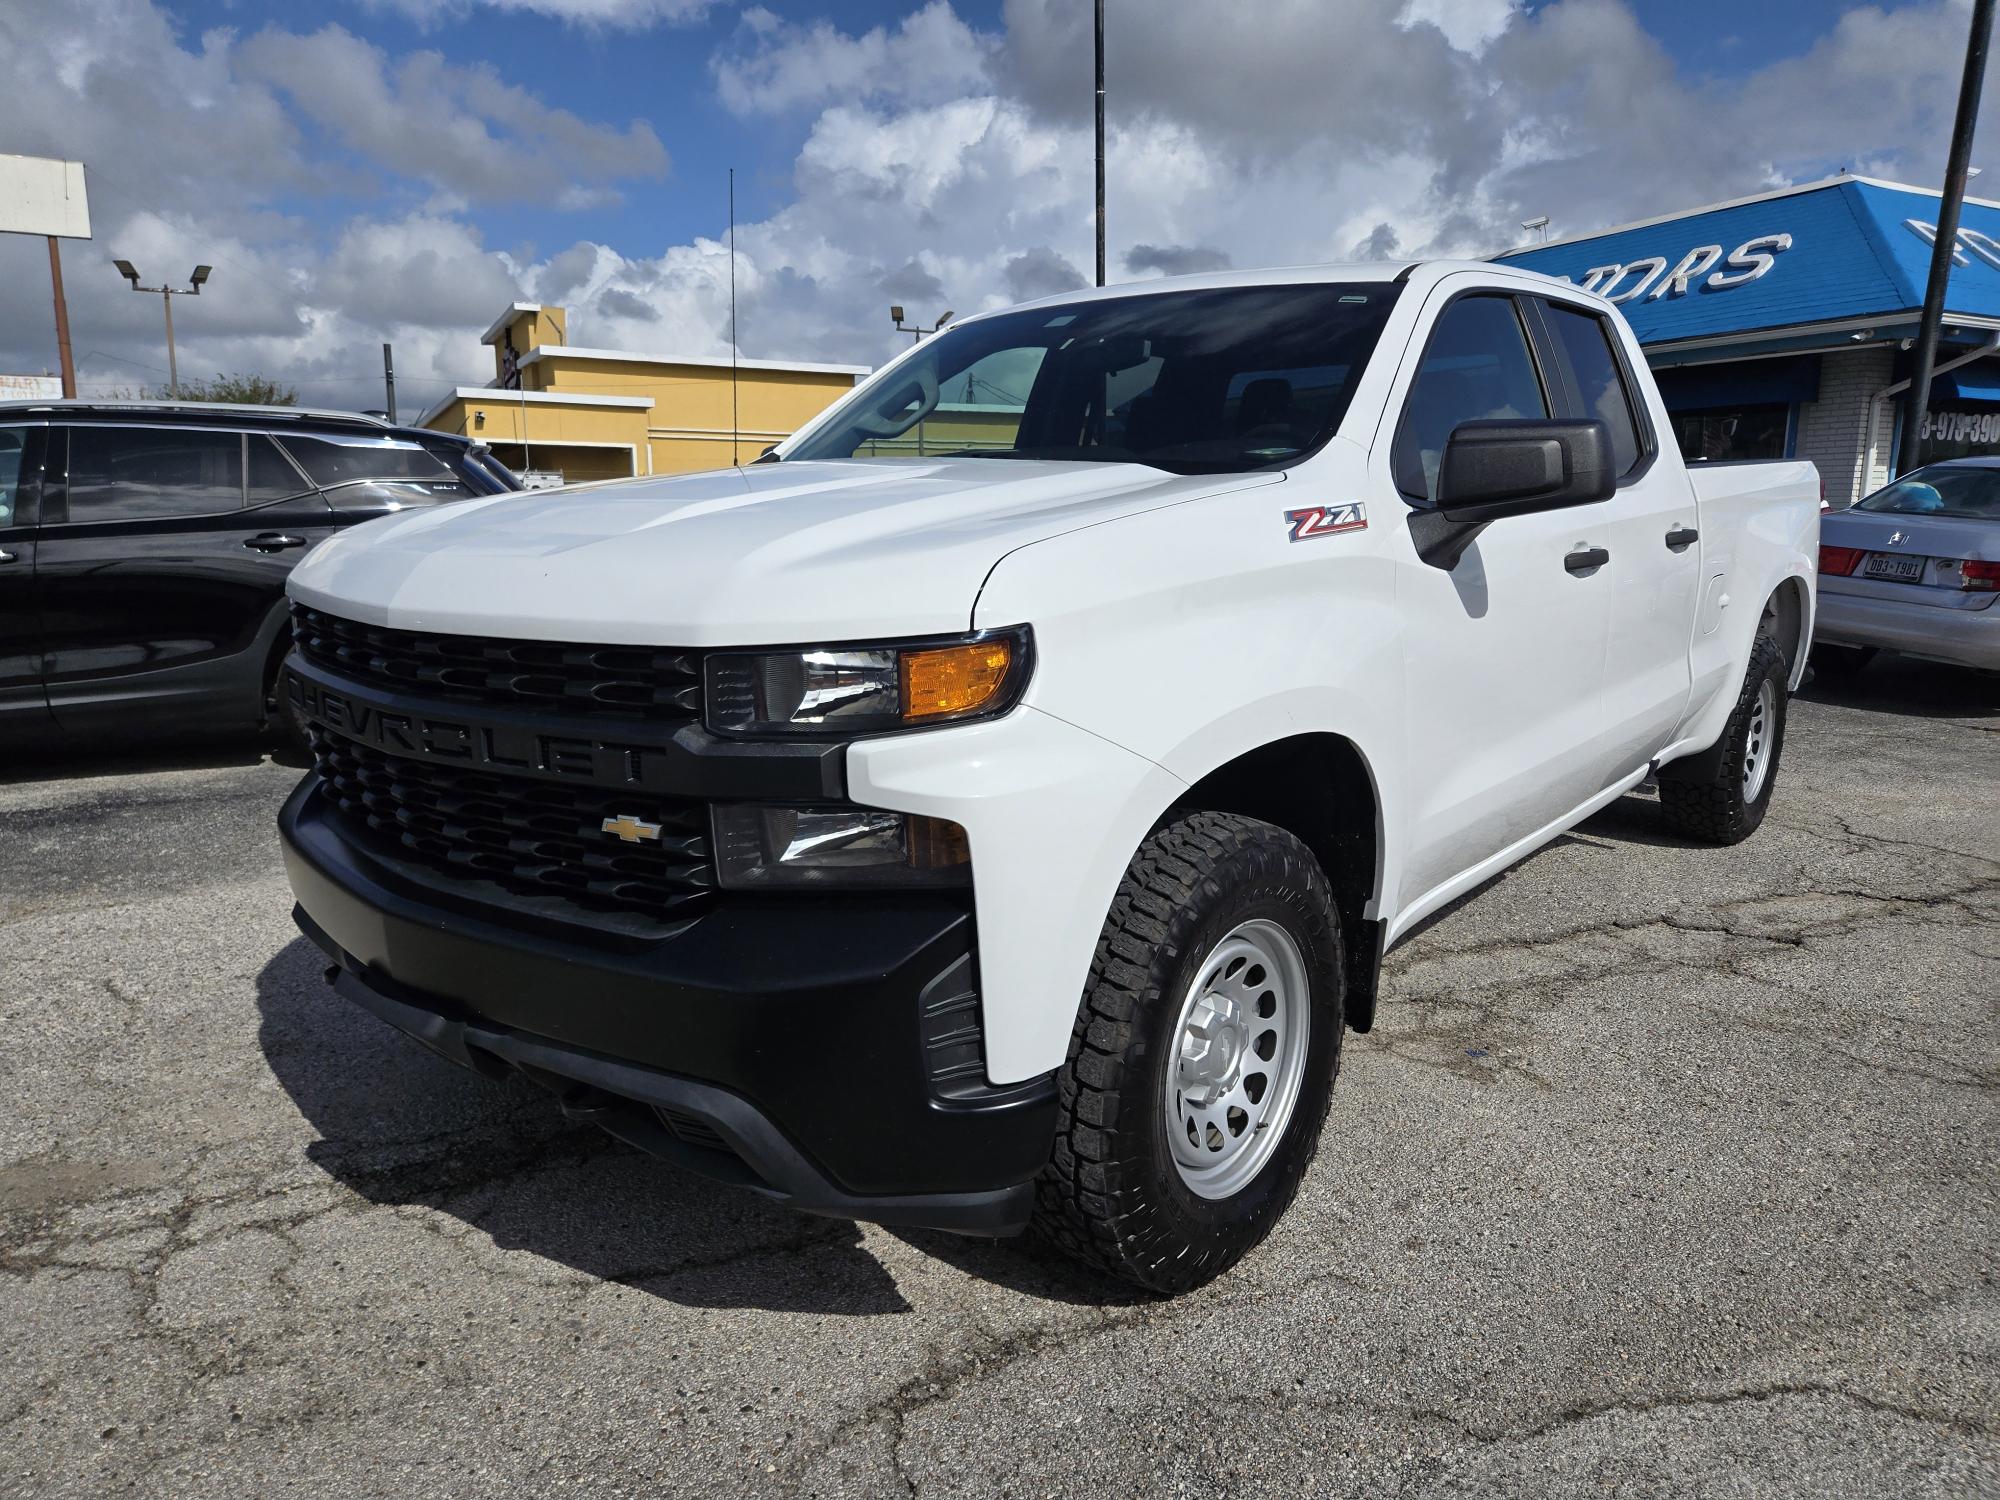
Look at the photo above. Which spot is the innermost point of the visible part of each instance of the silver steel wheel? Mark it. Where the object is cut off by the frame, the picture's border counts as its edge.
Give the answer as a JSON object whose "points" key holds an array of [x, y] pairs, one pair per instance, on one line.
{"points": [[1757, 742], [1238, 1054]]}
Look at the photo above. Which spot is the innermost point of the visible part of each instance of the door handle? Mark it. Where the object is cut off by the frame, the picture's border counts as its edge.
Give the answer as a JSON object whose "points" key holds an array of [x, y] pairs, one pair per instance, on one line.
{"points": [[273, 541], [1681, 537], [1585, 558], [7, 557]]}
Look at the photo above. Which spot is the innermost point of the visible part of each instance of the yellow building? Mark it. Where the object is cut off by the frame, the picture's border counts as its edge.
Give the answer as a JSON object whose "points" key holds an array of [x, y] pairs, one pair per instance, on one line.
{"points": [[605, 414]]}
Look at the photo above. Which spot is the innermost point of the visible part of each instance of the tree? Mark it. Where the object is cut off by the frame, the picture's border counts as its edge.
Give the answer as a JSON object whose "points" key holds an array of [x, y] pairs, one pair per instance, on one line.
{"points": [[237, 390]]}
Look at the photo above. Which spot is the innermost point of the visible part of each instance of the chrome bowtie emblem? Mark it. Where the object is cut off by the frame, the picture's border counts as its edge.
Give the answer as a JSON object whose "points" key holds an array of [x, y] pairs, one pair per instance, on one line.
{"points": [[632, 830], [1895, 537]]}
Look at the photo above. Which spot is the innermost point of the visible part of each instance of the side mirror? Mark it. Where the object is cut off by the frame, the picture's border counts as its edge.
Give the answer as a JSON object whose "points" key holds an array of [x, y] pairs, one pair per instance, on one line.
{"points": [[1492, 470]]}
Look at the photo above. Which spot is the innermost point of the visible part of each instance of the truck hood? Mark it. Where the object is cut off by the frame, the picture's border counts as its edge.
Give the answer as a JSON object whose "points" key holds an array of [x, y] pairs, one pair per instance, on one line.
{"points": [[769, 554]]}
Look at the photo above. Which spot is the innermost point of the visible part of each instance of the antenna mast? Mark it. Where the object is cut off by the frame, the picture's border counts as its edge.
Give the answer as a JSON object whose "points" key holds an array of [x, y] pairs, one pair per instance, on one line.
{"points": [[735, 424]]}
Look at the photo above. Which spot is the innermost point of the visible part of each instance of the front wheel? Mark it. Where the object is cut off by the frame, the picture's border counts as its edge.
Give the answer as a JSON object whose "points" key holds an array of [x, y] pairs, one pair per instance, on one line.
{"points": [[1725, 800], [1203, 1058]]}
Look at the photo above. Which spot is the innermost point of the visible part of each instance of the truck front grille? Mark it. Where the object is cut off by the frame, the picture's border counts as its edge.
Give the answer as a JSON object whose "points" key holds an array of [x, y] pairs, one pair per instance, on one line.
{"points": [[654, 684], [530, 837]]}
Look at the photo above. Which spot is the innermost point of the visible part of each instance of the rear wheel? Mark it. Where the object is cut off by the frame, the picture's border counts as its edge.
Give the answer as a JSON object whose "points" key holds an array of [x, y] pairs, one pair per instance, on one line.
{"points": [[1722, 798], [1203, 1057]]}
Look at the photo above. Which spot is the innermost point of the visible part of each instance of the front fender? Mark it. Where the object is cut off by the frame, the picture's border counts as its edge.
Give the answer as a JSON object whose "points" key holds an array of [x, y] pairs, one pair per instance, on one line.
{"points": [[1052, 814]]}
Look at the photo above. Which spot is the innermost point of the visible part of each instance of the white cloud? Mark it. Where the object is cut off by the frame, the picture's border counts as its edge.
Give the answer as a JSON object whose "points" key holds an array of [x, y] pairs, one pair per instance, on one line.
{"points": [[460, 128], [932, 55], [1467, 24], [630, 15]]}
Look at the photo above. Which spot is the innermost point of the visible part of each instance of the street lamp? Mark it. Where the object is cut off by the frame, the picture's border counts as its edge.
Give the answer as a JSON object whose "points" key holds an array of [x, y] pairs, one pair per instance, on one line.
{"points": [[167, 295], [896, 317]]}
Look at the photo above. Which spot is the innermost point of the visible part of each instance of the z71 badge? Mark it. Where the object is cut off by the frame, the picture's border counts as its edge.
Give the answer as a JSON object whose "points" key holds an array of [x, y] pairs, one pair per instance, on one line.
{"points": [[1325, 520]]}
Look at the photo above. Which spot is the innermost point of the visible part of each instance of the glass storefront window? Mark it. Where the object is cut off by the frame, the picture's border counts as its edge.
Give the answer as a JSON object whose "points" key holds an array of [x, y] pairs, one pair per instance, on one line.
{"points": [[1959, 432], [1731, 432]]}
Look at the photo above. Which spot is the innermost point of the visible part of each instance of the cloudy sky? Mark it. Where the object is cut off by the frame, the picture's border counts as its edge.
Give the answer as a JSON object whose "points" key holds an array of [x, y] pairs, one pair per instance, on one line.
{"points": [[362, 170]]}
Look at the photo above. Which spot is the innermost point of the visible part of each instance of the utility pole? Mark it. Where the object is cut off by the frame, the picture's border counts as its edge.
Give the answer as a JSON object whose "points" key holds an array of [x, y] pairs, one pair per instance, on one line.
{"points": [[62, 321], [167, 295], [1944, 243], [1100, 142], [389, 380]]}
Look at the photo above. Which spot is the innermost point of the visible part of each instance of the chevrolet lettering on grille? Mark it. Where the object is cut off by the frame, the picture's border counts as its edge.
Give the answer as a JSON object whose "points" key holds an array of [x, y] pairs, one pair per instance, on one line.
{"points": [[507, 749]]}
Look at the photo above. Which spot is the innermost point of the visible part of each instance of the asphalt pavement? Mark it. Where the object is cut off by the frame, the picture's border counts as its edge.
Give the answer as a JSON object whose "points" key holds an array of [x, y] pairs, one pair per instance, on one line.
{"points": [[1667, 1170]]}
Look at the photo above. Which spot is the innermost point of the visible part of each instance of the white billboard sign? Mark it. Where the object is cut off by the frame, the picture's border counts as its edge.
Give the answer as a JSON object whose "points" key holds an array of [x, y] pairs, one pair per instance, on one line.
{"points": [[30, 387], [39, 195]]}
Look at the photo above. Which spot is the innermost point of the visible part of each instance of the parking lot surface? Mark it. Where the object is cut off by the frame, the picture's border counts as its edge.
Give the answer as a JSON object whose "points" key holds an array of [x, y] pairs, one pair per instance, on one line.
{"points": [[1667, 1170]]}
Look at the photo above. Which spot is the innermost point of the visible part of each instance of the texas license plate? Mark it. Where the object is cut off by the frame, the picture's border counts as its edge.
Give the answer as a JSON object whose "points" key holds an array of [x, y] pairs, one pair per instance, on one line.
{"points": [[1895, 569]]}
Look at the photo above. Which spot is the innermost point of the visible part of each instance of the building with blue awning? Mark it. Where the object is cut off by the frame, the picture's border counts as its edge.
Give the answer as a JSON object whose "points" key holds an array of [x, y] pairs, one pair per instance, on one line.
{"points": [[1780, 325]]}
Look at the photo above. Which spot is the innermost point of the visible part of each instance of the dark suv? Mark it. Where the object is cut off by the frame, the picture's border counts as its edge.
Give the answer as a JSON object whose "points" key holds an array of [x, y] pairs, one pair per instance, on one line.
{"points": [[144, 548]]}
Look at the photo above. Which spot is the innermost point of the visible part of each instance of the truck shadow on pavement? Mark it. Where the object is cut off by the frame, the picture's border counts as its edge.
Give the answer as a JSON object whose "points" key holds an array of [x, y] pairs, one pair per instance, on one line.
{"points": [[406, 1129], [1894, 684], [60, 761]]}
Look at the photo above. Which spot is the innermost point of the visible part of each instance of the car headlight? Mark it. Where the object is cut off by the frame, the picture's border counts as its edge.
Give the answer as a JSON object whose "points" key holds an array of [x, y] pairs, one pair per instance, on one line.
{"points": [[850, 690], [773, 847]]}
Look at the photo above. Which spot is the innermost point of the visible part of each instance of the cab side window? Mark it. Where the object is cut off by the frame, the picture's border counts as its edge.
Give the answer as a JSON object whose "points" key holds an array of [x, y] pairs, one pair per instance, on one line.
{"points": [[134, 473], [1600, 384], [1477, 367]]}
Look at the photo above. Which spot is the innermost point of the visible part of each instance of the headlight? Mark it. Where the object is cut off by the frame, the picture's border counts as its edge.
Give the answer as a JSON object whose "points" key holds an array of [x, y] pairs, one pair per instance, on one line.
{"points": [[850, 690], [766, 848]]}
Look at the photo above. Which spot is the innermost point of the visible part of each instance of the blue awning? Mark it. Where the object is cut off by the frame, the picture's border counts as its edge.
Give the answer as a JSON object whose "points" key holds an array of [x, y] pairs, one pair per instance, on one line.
{"points": [[1978, 381], [1746, 382]]}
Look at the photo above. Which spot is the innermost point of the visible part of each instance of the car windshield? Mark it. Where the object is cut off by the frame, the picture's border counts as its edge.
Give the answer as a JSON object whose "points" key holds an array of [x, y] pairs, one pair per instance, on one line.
{"points": [[1969, 492], [1192, 382]]}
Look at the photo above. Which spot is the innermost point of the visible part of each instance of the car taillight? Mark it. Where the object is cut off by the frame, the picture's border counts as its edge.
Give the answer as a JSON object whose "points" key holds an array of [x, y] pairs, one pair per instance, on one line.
{"points": [[1980, 577], [1840, 561]]}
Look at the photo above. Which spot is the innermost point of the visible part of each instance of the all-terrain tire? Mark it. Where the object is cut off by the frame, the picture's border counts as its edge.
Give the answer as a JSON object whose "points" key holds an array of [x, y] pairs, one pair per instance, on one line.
{"points": [[1708, 797], [1111, 1194]]}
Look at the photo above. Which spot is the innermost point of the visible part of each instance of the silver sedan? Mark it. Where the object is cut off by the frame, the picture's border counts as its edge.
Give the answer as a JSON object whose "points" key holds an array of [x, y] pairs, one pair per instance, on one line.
{"points": [[1914, 567]]}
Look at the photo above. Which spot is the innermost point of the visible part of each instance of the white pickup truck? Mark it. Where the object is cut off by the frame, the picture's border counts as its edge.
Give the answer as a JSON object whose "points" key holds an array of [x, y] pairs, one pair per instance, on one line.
{"points": [[991, 809]]}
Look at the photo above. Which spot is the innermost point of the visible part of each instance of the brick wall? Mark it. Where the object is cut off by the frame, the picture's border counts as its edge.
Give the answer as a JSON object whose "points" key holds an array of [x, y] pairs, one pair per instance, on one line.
{"points": [[1834, 429]]}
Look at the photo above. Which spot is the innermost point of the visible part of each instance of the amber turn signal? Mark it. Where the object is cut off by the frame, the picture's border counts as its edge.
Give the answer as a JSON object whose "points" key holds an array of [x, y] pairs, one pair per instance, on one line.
{"points": [[954, 679]]}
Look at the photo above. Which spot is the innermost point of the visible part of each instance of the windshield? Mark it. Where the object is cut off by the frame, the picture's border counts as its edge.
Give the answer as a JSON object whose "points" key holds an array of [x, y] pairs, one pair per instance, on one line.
{"points": [[1941, 490], [1192, 382]]}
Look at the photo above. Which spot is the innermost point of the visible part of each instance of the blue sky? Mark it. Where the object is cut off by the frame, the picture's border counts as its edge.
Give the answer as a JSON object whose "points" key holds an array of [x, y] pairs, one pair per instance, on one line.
{"points": [[370, 170]]}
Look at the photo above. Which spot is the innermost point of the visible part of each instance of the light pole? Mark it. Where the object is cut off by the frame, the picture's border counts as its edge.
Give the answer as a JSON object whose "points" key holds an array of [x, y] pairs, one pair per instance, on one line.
{"points": [[1100, 141], [167, 295], [896, 317], [1944, 238]]}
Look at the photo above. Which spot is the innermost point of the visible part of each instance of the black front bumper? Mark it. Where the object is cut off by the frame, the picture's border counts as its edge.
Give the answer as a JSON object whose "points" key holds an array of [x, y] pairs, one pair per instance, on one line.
{"points": [[782, 1045]]}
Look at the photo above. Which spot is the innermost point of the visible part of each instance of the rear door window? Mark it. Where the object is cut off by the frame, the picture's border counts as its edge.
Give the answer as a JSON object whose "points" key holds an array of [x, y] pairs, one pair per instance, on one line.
{"points": [[269, 475], [139, 473], [1585, 341]]}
